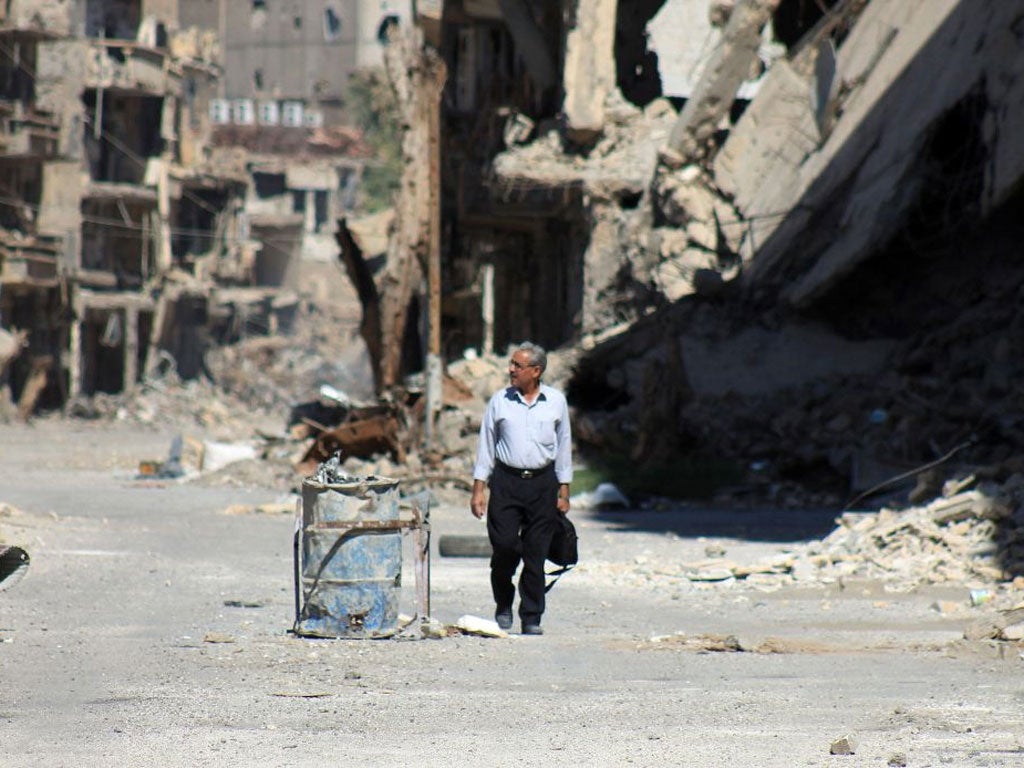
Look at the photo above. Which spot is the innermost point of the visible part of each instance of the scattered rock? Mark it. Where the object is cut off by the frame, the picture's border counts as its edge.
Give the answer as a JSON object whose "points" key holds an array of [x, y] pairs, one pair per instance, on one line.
{"points": [[218, 637], [1013, 633], [846, 745]]}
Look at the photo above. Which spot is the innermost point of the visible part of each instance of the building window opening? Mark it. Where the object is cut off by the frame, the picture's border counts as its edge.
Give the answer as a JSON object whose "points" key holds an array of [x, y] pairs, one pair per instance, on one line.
{"points": [[268, 184], [332, 24], [320, 212]]}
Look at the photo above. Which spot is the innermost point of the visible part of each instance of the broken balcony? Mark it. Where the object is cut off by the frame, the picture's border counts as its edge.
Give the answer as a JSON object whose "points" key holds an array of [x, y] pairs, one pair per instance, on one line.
{"points": [[126, 65]]}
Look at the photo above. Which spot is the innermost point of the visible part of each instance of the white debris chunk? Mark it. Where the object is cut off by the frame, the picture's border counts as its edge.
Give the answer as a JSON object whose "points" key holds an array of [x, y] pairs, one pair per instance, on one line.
{"points": [[475, 625]]}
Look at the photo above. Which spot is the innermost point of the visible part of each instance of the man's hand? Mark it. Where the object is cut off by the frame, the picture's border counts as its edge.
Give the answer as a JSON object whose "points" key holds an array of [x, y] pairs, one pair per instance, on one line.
{"points": [[563, 498], [478, 502]]}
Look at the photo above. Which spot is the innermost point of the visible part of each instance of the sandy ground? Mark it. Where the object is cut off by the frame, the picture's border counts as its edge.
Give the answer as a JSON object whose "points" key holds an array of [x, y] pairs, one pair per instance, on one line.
{"points": [[152, 630]]}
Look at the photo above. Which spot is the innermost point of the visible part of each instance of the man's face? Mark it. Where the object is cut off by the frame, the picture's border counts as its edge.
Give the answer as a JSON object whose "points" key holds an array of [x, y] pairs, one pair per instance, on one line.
{"points": [[521, 373]]}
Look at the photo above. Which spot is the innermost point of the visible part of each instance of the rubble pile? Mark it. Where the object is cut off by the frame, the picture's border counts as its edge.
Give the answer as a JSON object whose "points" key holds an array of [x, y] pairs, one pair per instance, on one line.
{"points": [[623, 159], [973, 532], [274, 373], [168, 401], [940, 392]]}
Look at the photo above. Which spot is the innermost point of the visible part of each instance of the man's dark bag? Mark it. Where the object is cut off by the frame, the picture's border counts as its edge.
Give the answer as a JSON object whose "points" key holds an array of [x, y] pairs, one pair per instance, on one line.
{"points": [[564, 549]]}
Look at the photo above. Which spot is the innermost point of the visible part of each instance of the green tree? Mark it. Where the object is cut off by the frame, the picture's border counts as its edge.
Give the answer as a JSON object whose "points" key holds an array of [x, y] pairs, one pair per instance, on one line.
{"points": [[371, 104]]}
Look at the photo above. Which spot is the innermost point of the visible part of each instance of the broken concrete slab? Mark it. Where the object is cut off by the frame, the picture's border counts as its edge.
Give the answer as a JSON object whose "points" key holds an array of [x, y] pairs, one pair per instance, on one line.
{"points": [[899, 86], [729, 65], [758, 361], [588, 73]]}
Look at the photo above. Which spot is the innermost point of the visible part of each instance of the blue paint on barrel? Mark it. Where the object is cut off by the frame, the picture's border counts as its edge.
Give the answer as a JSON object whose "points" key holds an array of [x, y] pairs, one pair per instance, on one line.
{"points": [[350, 578]]}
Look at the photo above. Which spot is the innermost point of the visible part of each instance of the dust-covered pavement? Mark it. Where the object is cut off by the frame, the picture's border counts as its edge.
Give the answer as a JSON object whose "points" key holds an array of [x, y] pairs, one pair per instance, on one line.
{"points": [[152, 629]]}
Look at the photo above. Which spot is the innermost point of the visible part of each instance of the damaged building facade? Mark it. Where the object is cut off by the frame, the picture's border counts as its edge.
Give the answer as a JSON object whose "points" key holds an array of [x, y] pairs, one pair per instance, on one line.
{"points": [[737, 223], [117, 228], [282, 99], [554, 116]]}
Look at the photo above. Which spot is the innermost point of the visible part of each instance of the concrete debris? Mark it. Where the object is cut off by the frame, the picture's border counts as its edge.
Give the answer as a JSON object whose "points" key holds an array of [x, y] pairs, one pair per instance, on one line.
{"points": [[846, 745], [218, 637], [705, 643], [218, 455], [270, 508], [1013, 633], [712, 643], [474, 625], [951, 540], [436, 630]]}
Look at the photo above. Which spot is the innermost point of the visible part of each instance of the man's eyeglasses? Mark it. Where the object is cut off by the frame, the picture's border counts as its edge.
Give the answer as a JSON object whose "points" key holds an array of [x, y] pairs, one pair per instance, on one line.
{"points": [[519, 366]]}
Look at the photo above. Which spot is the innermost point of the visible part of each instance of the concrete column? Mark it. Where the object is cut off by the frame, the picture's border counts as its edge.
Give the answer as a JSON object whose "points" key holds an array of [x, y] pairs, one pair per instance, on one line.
{"points": [[729, 66], [589, 72], [131, 348], [165, 256], [75, 349], [487, 307]]}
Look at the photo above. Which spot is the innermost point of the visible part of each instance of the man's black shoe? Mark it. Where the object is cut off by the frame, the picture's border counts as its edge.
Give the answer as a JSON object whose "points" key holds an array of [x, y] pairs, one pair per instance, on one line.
{"points": [[532, 629], [504, 618]]}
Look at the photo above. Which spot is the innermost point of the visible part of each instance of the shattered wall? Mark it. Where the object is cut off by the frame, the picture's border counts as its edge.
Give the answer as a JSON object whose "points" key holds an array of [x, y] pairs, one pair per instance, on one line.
{"points": [[908, 75], [872, 185], [506, 161]]}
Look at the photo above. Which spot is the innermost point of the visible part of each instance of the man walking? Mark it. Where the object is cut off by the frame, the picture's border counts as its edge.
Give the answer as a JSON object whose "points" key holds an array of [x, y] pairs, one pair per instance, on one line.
{"points": [[525, 456]]}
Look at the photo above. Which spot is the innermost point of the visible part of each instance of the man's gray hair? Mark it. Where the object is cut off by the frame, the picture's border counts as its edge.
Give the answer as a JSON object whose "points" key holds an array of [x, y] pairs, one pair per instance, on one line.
{"points": [[537, 354]]}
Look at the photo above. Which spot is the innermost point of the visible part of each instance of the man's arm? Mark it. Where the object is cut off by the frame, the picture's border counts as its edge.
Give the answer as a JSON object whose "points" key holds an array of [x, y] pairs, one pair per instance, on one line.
{"points": [[563, 458], [484, 464]]}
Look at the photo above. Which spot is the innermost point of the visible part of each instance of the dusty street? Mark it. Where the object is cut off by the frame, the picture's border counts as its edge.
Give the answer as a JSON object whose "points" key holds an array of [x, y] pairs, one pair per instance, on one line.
{"points": [[152, 630]]}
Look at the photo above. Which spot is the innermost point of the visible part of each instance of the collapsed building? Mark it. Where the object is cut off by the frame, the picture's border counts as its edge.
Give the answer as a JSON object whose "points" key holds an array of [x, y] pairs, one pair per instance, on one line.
{"points": [[753, 231], [117, 227]]}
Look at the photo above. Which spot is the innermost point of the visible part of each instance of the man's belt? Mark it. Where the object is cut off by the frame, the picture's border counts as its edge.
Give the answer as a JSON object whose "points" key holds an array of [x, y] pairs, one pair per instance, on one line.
{"points": [[526, 474]]}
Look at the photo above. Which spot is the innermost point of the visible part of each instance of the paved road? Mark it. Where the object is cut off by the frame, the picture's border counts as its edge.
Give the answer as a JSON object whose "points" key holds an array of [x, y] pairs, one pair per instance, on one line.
{"points": [[106, 656]]}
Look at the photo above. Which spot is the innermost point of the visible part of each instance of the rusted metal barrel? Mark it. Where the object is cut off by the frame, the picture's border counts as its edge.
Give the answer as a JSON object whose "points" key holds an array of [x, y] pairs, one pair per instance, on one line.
{"points": [[348, 558]]}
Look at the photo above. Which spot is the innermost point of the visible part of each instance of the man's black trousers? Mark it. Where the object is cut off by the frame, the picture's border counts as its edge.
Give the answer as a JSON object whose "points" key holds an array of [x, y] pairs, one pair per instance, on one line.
{"points": [[521, 517]]}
